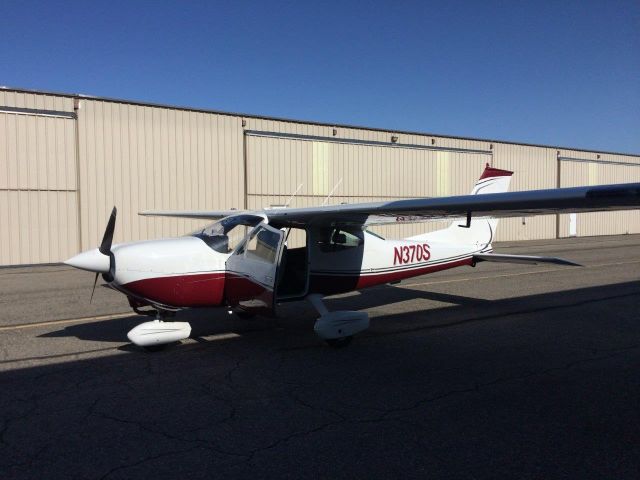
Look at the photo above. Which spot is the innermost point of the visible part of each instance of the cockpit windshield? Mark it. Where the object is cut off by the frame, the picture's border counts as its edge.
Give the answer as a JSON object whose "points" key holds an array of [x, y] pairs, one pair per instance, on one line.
{"points": [[225, 235]]}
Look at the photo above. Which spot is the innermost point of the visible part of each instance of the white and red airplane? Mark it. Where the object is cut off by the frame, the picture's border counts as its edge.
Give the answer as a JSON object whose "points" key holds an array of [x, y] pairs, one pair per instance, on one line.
{"points": [[242, 260]]}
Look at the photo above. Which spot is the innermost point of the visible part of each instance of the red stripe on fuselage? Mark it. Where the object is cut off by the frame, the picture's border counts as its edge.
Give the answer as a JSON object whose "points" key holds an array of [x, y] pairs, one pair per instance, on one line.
{"points": [[207, 289], [328, 284], [196, 290]]}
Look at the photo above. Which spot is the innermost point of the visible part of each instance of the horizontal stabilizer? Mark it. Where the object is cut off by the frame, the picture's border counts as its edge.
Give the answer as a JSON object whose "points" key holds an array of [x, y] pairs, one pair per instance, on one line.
{"points": [[526, 259]]}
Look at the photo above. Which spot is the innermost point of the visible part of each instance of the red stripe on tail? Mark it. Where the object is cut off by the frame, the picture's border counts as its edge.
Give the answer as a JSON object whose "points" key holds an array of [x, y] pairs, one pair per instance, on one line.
{"points": [[494, 172]]}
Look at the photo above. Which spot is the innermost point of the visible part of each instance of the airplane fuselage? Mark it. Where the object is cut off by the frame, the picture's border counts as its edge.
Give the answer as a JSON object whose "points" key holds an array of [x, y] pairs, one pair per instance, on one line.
{"points": [[185, 272]]}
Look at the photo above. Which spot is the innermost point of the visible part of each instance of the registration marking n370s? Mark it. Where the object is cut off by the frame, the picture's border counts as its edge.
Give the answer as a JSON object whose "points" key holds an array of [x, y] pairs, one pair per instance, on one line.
{"points": [[411, 253]]}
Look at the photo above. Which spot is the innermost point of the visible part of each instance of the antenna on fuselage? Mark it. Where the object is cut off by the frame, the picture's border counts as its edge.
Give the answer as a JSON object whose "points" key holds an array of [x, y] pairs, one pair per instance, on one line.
{"points": [[286, 204], [331, 193]]}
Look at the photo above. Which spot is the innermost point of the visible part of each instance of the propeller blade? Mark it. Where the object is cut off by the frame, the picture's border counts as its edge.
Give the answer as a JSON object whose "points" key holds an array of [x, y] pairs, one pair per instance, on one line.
{"points": [[105, 246], [95, 280]]}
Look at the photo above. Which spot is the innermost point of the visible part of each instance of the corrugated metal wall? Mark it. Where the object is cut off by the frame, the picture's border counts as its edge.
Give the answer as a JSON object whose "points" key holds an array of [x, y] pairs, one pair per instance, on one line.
{"points": [[38, 187], [66, 160], [535, 168], [584, 168], [352, 171], [148, 158]]}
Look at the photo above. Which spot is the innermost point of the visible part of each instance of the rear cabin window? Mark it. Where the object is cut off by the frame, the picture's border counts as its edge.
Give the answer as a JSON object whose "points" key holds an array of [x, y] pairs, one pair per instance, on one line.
{"points": [[340, 239]]}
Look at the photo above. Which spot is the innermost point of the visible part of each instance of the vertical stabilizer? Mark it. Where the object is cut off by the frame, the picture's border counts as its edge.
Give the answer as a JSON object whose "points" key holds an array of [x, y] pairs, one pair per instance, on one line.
{"points": [[480, 231], [492, 180]]}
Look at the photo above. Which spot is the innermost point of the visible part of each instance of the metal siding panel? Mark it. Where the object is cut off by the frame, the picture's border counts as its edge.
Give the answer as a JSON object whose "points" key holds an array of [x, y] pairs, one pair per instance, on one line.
{"points": [[610, 223], [125, 187], [5, 157], [116, 172], [22, 152], [366, 171], [36, 228], [39, 172], [31, 155], [165, 160], [100, 184], [369, 173], [36, 100], [34, 166], [6, 230], [162, 161], [11, 150], [590, 171], [534, 168], [6, 244], [86, 139]]}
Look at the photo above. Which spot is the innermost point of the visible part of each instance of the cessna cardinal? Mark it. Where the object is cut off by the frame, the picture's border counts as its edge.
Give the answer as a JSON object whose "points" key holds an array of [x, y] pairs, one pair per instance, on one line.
{"points": [[242, 260]]}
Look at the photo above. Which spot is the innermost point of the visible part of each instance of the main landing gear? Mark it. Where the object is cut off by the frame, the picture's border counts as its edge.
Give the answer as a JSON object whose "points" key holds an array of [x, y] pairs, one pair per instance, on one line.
{"points": [[157, 334], [337, 328]]}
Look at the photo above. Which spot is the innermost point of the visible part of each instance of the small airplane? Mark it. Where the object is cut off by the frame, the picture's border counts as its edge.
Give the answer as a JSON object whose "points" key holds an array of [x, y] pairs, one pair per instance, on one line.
{"points": [[242, 260]]}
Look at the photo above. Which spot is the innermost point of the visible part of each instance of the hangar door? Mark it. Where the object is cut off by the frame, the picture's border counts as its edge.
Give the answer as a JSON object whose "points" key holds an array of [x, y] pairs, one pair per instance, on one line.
{"points": [[38, 189], [576, 172], [353, 171]]}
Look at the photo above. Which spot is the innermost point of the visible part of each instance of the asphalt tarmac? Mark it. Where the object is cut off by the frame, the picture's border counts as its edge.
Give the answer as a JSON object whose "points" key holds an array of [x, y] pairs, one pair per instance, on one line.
{"points": [[502, 371]]}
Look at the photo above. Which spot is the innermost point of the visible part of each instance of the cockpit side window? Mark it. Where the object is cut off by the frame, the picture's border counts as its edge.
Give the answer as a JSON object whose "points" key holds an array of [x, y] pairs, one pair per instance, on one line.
{"points": [[225, 235], [263, 246]]}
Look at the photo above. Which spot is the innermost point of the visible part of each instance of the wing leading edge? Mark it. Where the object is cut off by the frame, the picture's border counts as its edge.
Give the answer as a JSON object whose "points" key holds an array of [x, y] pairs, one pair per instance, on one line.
{"points": [[202, 215], [496, 205]]}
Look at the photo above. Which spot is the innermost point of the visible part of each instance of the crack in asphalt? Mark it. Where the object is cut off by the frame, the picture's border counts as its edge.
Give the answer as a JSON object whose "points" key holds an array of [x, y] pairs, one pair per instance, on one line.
{"points": [[479, 386], [141, 425], [498, 315], [10, 420], [386, 415], [145, 460]]}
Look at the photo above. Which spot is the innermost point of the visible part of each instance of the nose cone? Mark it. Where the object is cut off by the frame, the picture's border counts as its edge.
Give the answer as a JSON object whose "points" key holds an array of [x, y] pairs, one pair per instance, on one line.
{"points": [[91, 260]]}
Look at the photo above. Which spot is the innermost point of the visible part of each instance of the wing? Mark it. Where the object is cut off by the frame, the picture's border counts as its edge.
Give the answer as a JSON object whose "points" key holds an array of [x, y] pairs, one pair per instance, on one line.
{"points": [[203, 215], [495, 205]]}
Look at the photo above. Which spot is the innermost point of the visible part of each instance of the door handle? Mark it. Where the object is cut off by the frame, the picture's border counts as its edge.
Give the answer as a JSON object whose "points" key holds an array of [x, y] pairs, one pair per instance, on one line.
{"points": [[268, 278]]}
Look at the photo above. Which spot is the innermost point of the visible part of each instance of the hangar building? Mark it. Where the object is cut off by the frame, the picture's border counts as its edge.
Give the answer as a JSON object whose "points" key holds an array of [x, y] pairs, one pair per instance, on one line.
{"points": [[66, 159]]}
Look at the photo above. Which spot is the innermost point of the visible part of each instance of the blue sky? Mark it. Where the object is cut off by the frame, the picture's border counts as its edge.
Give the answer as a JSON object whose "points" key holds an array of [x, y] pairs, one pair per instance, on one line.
{"points": [[562, 73]]}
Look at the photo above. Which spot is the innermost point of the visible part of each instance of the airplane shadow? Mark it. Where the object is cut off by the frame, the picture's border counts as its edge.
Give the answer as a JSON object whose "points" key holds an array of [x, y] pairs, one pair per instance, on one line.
{"points": [[209, 321], [301, 315], [467, 386]]}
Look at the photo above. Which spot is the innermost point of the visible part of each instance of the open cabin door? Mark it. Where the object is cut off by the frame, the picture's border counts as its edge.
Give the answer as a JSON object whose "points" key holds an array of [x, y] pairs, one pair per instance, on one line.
{"points": [[252, 271]]}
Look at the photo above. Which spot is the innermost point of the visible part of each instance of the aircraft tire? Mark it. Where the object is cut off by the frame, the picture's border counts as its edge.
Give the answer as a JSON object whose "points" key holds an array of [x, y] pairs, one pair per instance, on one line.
{"points": [[155, 348], [341, 342], [244, 315]]}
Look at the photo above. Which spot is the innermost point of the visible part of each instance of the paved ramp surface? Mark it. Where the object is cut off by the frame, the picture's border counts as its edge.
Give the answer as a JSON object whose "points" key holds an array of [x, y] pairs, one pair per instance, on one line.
{"points": [[502, 371]]}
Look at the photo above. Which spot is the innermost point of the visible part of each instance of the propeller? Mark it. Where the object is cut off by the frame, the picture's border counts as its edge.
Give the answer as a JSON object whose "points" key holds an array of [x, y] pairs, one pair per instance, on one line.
{"points": [[107, 238], [105, 249]]}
